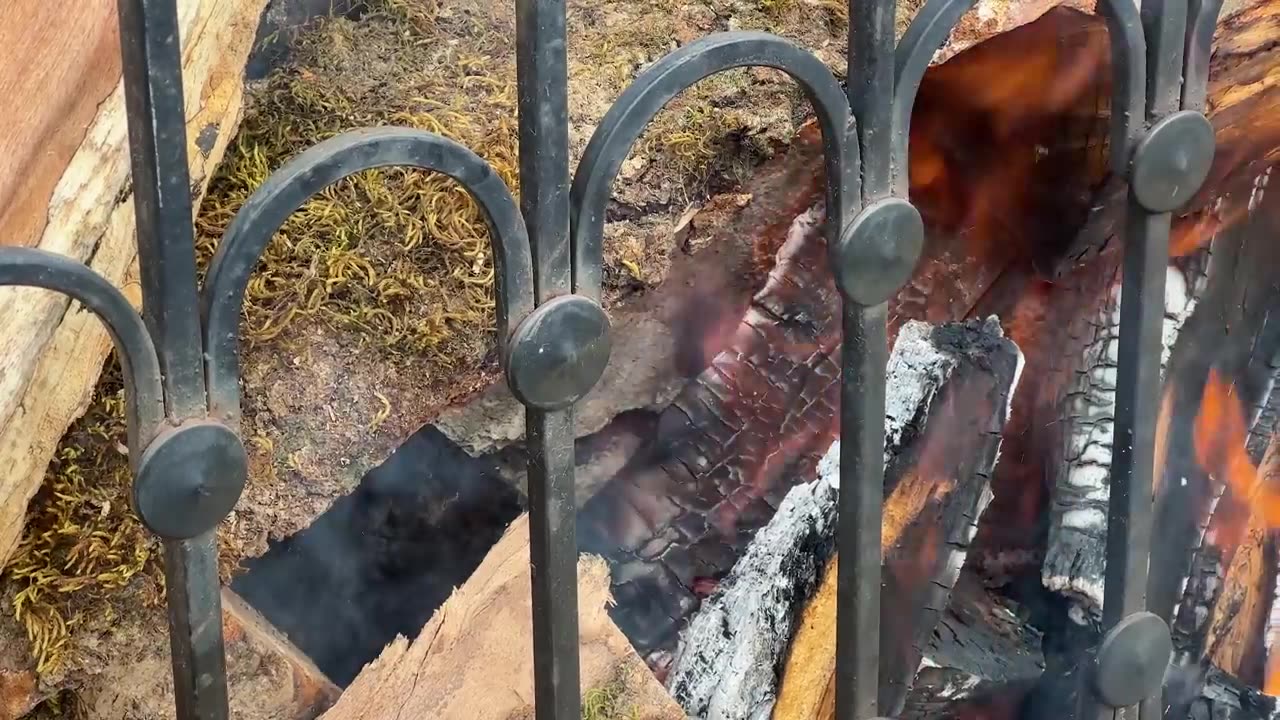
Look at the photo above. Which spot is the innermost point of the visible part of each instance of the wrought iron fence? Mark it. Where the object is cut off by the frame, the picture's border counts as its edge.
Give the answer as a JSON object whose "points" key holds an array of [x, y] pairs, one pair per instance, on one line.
{"points": [[180, 358]]}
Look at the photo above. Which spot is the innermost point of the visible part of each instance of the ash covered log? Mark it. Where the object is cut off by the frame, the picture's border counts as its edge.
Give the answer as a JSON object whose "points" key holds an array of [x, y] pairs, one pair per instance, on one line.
{"points": [[1075, 557], [949, 392]]}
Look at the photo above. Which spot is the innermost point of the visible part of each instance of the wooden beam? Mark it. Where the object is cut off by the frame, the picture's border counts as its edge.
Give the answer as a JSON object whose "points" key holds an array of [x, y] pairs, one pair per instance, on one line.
{"points": [[474, 659], [51, 351]]}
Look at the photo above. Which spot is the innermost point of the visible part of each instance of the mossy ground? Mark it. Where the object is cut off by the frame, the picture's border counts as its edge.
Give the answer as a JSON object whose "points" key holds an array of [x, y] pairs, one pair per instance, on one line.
{"points": [[373, 306]]}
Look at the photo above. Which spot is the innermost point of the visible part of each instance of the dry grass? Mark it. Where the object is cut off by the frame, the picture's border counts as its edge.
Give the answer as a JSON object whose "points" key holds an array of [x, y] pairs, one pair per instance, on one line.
{"points": [[82, 542], [608, 703], [400, 257]]}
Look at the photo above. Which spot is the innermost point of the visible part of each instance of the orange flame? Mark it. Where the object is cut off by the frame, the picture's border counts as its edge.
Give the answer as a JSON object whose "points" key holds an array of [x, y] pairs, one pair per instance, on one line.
{"points": [[1220, 433], [1195, 230]]}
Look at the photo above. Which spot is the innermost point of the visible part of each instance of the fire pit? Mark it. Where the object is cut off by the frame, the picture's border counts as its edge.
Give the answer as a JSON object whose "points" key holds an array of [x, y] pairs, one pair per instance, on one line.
{"points": [[1050, 499]]}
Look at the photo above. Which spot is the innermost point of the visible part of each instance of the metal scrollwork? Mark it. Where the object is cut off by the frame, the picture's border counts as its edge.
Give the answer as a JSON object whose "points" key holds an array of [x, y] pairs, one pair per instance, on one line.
{"points": [[181, 357]]}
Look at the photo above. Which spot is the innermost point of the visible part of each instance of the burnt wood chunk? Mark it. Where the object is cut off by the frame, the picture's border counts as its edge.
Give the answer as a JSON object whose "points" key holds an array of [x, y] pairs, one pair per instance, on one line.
{"points": [[682, 511], [1075, 557], [948, 395], [984, 655]]}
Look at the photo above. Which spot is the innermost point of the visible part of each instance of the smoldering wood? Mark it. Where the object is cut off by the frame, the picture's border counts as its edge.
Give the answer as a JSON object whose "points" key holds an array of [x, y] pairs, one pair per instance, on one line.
{"points": [[777, 368], [1075, 557], [983, 655], [1222, 617], [1218, 599], [948, 395], [1246, 140]]}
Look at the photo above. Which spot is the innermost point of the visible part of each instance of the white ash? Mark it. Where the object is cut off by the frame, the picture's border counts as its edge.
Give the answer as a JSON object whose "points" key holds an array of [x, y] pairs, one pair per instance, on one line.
{"points": [[727, 667], [1075, 558], [730, 656]]}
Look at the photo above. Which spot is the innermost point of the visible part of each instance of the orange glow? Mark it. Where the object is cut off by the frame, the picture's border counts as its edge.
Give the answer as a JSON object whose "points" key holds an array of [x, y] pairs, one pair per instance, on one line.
{"points": [[1163, 424], [1220, 434], [1272, 684], [1196, 230]]}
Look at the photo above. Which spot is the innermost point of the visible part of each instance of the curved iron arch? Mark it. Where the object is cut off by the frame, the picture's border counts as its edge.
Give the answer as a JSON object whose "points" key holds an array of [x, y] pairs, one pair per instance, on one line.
{"points": [[922, 40], [30, 267], [664, 80], [318, 167], [1128, 78]]}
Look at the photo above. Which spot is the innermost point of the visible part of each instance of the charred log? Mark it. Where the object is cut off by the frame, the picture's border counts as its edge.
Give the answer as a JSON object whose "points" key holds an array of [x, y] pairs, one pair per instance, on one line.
{"points": [[983, 658], [950, 391], [1074, 563]]}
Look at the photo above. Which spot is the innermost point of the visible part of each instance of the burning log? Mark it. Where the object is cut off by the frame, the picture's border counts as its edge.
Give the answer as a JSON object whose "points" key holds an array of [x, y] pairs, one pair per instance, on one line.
{"points": [[950, 390], [474, 659], [982, 659], [1074, 563]]}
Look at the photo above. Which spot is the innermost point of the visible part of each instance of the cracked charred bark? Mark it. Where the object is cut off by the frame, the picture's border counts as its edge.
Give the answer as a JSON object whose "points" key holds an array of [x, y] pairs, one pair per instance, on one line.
{"points": [[950, 390], [1074, 561]]}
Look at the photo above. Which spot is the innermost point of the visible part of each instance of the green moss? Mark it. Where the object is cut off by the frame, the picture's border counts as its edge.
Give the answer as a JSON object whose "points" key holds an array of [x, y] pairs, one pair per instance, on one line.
{"points": [[399, 257], [608, 703], [82, 542]]}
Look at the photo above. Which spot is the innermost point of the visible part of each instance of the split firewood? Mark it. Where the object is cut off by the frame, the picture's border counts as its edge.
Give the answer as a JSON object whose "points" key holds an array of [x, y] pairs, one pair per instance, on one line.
{"points": [[949, 392], [72, 197], [474, 659]]}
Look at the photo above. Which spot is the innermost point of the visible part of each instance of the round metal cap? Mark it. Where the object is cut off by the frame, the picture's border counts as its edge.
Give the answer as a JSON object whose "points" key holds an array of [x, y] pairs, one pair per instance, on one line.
{"points": [[1172, 161], [1132, 660], [558, 353], [189, 478], [878, 251]]}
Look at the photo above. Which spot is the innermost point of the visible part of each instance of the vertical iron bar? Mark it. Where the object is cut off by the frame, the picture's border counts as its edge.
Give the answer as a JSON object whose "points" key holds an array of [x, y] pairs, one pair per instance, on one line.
{"points": [[542, 80], [151, 51], [1137, 404], [1165, 27], [554, 552], [864, 357], [870, 88], [195, 628], [543, 107], [862, 400], [1146, 256]]}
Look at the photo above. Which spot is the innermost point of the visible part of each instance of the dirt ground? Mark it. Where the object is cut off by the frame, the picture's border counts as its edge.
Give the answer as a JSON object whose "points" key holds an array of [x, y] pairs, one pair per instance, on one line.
{"points": [[372, 311]]}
